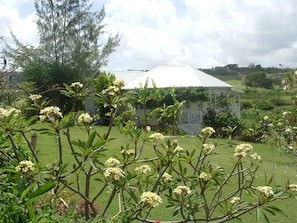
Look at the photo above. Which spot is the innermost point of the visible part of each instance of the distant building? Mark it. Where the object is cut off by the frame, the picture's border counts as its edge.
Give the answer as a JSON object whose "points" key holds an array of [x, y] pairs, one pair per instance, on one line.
{"points": [[191, 119]]}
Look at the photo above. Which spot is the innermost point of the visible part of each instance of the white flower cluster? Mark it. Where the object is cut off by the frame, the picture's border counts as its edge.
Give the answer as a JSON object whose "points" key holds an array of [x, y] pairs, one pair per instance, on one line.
{"points": [[151, 199], [178, 148], [205, 176], [25, 166], [4, 113], [111, 91], [166, 177], [50, 113], [85, 118], [113, 173], [207, 131], [182, 190], [242, 150], [255, 156], [293, 187], [112, 162], [156, 136], [265, 190], [206, 147], [76, 85], [128, 151], [143, 170], [234, 200], [119, 83], [35, 97]]}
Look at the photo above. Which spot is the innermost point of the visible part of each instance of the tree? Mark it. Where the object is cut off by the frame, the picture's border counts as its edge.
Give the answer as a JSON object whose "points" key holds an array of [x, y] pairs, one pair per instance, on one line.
{"points": [[69, 34], [70, 48], [258, 79]]}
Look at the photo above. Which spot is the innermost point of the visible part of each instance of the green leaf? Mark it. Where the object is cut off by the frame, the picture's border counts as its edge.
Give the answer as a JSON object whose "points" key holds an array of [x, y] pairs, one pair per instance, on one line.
{"points": [[258, 214], [266, 218], [26, 191], [21, 185], [43, 189]]}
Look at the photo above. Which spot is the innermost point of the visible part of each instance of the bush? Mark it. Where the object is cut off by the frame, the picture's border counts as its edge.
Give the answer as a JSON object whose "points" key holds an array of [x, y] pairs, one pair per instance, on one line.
{"points": [[222, 119], [280, 102], [264, 105], [246, 104]]}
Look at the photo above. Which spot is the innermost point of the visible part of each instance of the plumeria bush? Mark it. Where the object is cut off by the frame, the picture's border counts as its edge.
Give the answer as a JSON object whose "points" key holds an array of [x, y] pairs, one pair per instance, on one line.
{"points": [[129, 185]]}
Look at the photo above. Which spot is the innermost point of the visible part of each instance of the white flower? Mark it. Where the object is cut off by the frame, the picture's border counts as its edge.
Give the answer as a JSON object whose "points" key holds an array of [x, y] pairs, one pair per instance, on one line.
{"points": [[25, 166], [234, 200], [35, 97], [112, 162], [178, 149], [208, 147], [285, 113], [156, 136], [255, 156], [85, 118], [151, 199], [128, 151], [4, 113], [77, 85], [242, 150], [208, 131], [114, 173], [143, 170], [265, 190], [119, 83], [182, 190], [293, 187], [50, 113], [205, 176], [166, 177], [111, 91]]}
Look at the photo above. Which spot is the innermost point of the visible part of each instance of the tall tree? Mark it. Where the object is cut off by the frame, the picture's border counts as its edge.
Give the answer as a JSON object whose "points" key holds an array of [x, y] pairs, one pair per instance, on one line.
{"points": [[70, 34], [73, 46]]}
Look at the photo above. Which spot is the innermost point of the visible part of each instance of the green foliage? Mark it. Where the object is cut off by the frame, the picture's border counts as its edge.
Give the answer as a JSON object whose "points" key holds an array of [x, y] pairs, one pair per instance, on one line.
{"points": [[71, 47], [144, 171], [280, 101], [70, 34], [99, 84], [258, 79], [223, 119], [246, 104], [264, 105]]}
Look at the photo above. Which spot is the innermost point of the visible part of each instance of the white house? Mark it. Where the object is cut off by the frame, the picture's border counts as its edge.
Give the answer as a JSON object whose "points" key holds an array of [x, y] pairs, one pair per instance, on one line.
{"points": [[185, 76]]}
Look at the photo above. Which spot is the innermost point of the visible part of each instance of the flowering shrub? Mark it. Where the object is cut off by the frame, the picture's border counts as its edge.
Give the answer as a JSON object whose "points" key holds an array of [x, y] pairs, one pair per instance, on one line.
{"points": [[129, 185]]}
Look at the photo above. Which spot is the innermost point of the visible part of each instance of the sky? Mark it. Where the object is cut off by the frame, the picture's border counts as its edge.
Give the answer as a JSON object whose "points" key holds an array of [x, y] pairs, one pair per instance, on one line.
{"points": [[200, 33]]}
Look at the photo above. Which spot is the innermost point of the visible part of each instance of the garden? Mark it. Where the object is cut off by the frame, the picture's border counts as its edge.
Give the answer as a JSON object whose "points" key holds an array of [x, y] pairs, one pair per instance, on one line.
{"points": [[65, 167]]}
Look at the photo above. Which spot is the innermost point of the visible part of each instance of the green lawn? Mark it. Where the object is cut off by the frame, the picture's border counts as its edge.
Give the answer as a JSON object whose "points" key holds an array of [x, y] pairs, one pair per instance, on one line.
{"points": [[274, 163]]}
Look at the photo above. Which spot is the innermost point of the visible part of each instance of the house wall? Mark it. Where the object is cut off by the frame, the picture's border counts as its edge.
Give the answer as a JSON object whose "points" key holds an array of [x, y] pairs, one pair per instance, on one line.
{"points": [[193, 112]]}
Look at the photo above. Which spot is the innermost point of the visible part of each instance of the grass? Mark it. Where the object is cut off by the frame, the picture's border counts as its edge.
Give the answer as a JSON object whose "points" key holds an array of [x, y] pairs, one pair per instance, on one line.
{"points": [[274, 163]]}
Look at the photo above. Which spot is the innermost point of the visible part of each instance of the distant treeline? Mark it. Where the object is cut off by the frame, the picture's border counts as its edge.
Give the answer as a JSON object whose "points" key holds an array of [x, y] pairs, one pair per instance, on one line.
{"points": [[232, 69]]}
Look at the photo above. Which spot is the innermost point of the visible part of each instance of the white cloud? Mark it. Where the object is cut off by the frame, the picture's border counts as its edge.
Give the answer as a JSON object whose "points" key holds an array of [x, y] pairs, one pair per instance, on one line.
{"points": [[21, 23], [195, 32]]}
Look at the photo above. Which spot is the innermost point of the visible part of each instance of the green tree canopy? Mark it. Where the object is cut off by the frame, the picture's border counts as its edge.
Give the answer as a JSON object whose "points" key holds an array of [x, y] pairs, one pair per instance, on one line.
{"points": [[258, 79], [73, 45]]}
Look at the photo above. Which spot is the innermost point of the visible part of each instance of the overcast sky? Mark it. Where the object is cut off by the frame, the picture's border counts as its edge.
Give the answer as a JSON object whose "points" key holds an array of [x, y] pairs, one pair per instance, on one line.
{"points": [[200, 33]]}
